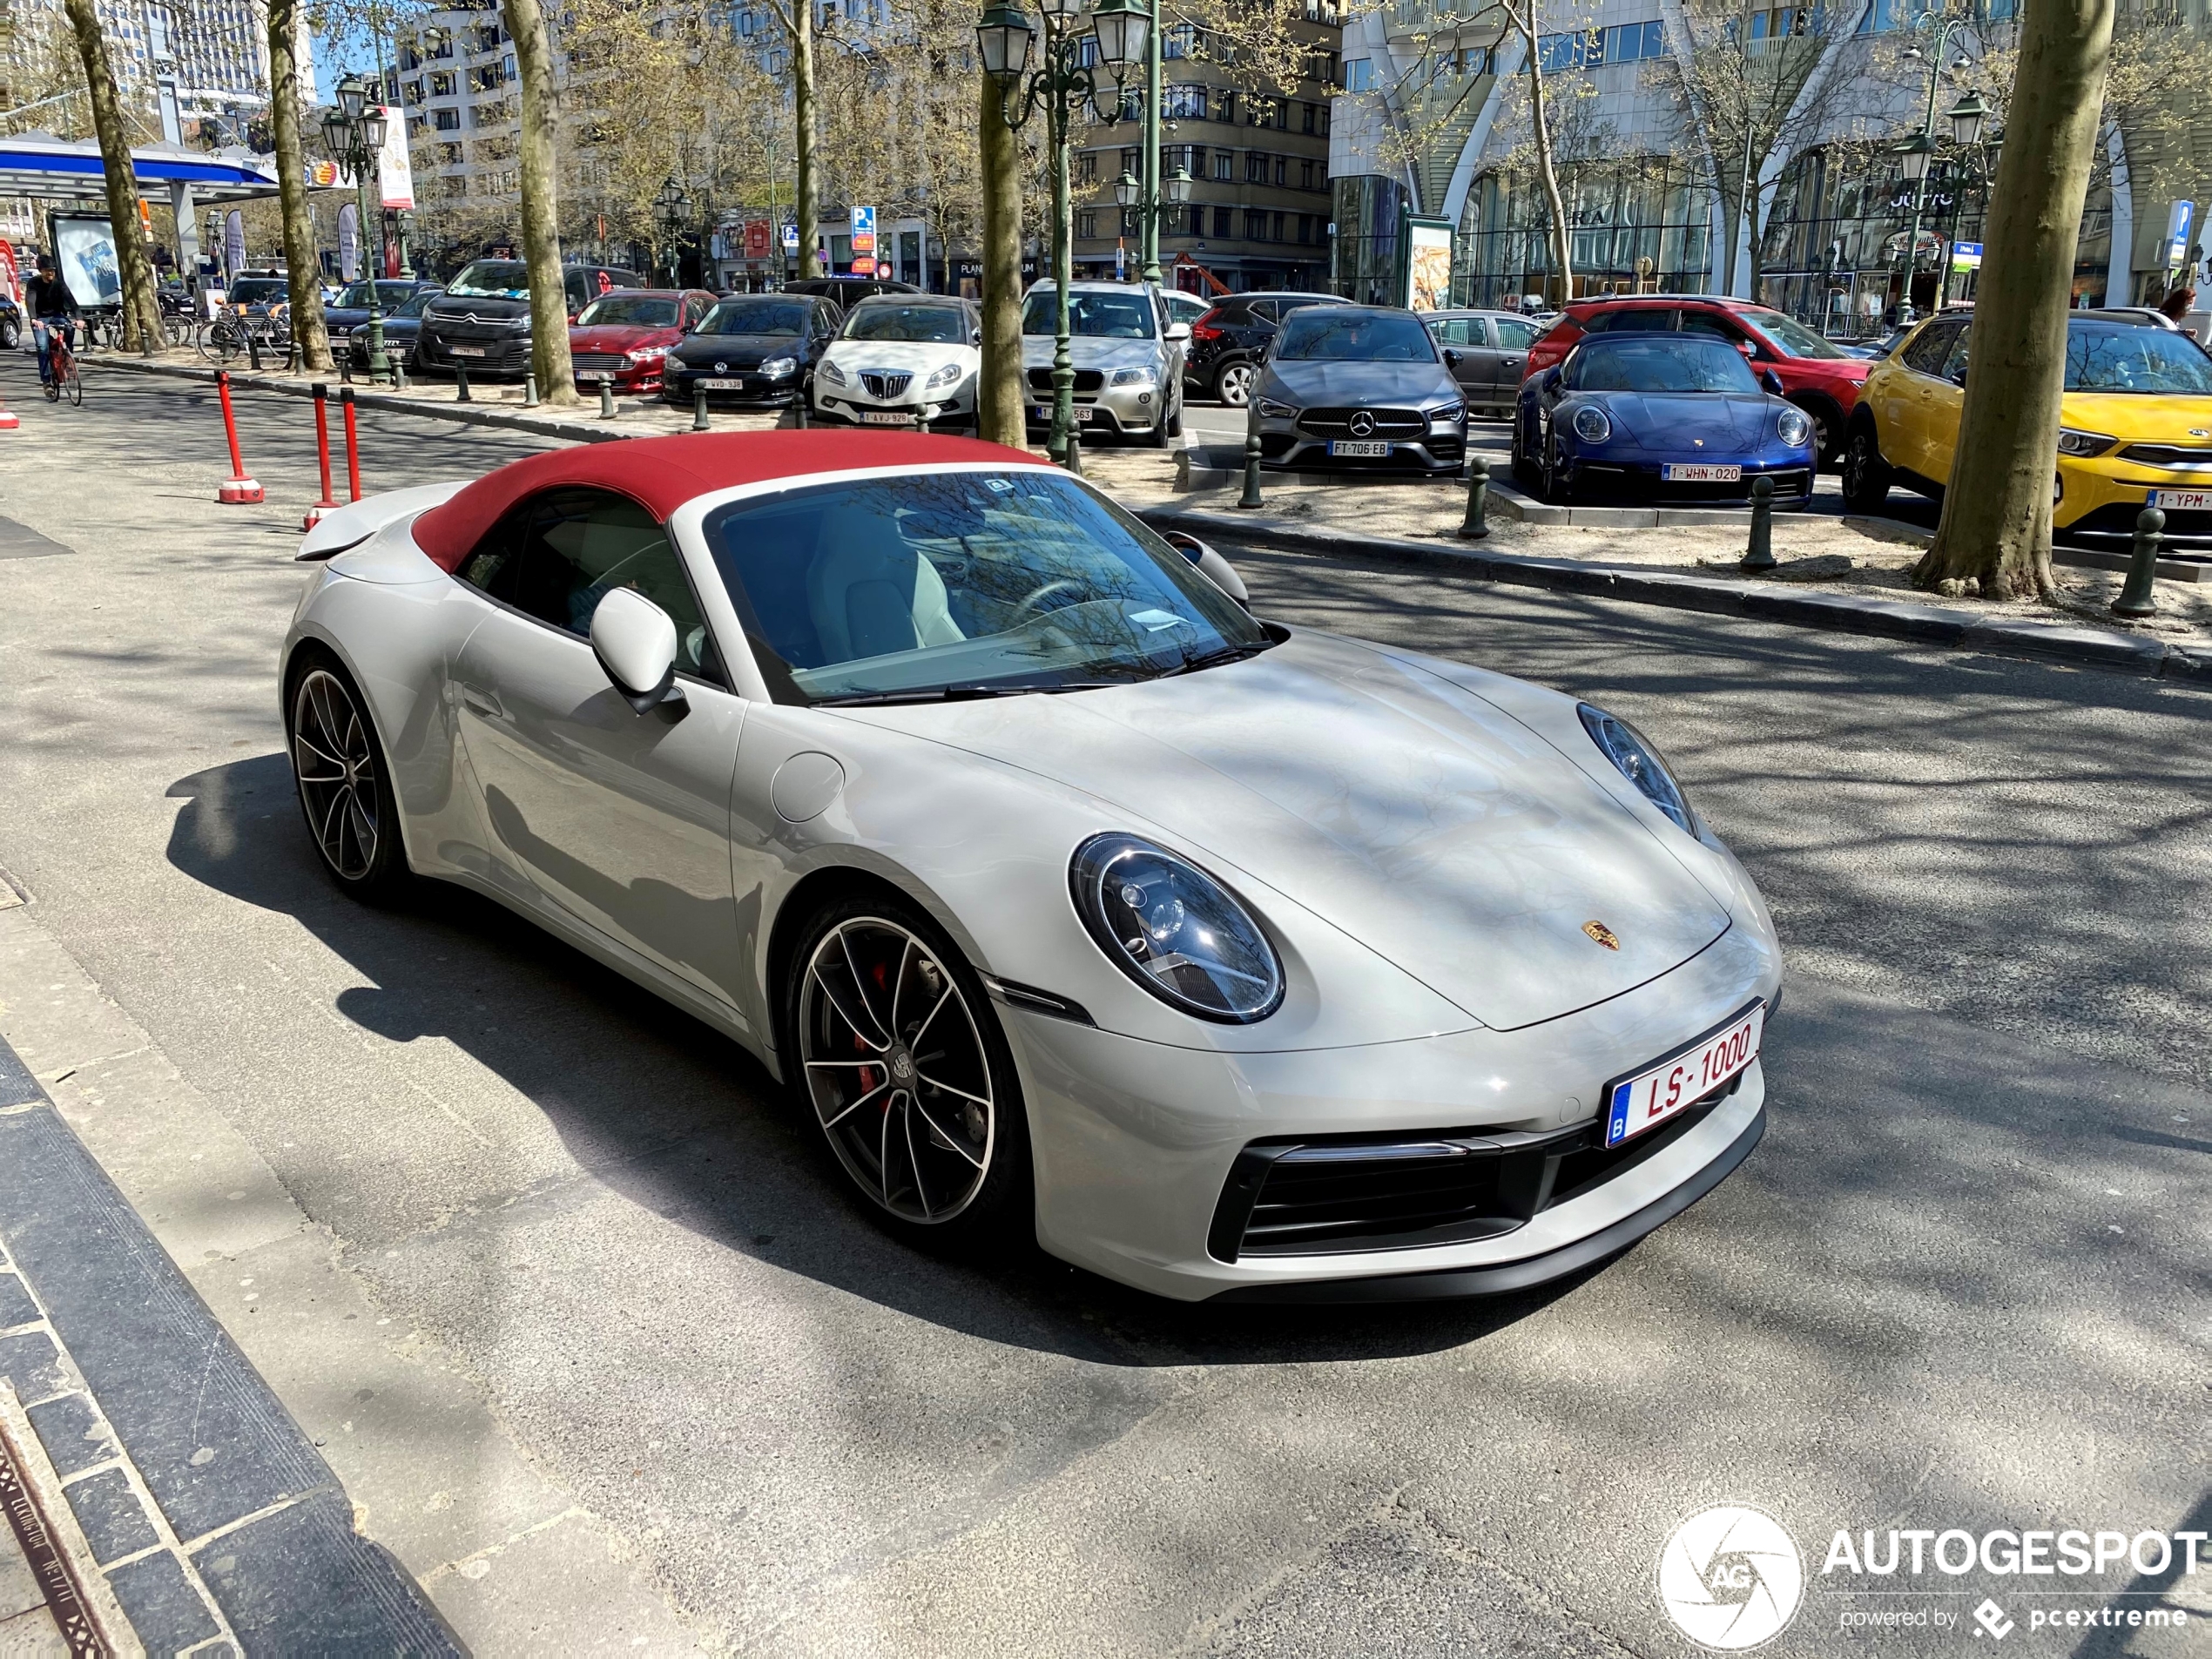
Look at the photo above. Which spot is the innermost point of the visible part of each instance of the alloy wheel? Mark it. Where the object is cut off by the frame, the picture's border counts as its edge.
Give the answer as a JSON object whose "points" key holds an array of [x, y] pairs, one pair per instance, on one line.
{"points": [[1233, 386], [334, 758], [896, 1069]]}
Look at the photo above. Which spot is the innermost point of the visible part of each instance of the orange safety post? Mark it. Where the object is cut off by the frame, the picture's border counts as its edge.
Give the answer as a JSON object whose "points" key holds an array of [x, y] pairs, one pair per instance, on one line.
{"points": [[353, 443], [237, 490], [324, 504]]}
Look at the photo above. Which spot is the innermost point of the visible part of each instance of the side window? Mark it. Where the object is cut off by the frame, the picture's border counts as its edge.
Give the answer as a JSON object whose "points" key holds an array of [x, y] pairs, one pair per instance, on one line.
{"points": [[1455, 331], [1926, 354], [1651, 320], [1954, 364], [1704, 322], [563, 552], [1264, 311], [1513, 333]]}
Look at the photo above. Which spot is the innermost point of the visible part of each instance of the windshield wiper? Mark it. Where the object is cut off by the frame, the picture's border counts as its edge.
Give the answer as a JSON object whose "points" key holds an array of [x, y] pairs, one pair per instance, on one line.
{"points": [[959, 693], [1216, 658]]}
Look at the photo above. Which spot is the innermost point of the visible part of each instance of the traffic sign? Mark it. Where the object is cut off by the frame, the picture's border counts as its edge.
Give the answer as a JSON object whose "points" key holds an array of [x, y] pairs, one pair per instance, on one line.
{"points": [[864, 230], [1965, 256]]}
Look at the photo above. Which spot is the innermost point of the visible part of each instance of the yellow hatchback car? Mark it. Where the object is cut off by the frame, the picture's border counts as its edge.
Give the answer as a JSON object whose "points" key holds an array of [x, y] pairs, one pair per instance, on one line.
{"points": [[2135, 426]]}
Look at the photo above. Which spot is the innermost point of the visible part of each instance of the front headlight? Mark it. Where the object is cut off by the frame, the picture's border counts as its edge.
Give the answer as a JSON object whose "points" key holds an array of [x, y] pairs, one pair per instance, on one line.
{"points": [[949, 375], [1174, 930], [1794, 427], [832, 373], [777, 367], [1132, 377], [646, 355], [1270, 410], [2072, 442], [1590, 424], [1449, 413], [1639, 763]]}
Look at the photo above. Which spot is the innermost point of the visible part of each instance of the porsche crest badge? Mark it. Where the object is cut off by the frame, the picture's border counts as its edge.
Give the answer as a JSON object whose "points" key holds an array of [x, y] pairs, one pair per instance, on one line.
{"points": [[1603, 935]]}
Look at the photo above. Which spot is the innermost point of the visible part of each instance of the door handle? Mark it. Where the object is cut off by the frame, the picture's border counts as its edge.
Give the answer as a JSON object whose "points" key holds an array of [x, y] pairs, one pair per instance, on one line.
{"points": [[1509, 362], [480, 702]]}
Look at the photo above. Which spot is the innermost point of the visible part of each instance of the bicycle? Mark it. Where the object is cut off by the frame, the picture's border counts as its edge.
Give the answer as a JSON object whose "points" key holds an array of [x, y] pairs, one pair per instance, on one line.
{"points": [[221, 339], [63, 380]]}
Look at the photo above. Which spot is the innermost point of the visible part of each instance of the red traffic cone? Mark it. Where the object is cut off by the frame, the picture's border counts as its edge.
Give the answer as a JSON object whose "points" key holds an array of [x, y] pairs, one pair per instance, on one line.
{"points": [[237, 489]]}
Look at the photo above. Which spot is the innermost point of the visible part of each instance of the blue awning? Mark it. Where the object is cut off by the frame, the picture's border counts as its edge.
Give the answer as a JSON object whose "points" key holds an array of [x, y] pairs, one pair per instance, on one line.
{"points": [[44, 167]]}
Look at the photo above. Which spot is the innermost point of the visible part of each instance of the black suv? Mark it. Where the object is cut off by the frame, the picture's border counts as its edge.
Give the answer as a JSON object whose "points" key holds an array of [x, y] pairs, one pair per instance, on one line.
{"points": [[482, 320], [848, 290], [1227, 343]]}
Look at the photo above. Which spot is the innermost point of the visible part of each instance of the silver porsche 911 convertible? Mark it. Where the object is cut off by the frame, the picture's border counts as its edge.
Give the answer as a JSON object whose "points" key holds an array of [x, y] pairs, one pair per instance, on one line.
{"points": [[1237, 961]]}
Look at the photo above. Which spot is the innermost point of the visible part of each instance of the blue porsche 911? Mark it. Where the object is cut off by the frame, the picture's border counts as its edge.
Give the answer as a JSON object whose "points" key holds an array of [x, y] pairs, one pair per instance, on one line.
{"points": [[1659, 419]]}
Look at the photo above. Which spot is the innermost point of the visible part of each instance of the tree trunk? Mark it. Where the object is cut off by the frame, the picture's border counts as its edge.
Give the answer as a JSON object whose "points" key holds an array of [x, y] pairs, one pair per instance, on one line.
{"points": [[141, 311], [1996, 524], [809, 205], [525, 21], [1562, 247], [998, 388], [300, 263]]}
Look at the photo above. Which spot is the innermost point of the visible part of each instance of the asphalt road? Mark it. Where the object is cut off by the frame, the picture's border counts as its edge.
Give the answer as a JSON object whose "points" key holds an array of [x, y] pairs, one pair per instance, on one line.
{"points": [[1961, 1282]]}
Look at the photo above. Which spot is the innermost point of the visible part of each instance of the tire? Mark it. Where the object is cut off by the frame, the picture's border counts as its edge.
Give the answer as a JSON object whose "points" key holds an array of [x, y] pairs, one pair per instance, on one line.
{"points": [[1866, 476], [942, 1156], [1523, 474], [73, 384], [1549, 486], [10, 334], [1232, 383], [345, 787], [1175, 420]]}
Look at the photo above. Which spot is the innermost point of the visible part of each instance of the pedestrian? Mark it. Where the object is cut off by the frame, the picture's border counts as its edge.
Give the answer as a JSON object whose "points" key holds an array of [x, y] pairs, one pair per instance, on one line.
{"points": [[2177, 303], [53, 310]]}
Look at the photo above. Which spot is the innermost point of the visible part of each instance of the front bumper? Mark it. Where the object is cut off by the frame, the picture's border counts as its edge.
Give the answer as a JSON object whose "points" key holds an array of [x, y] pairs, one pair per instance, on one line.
{"points": [[850, 405], [2099, 498], [1099, 407], [680, 384], [503, 354], [1604, 478], [1285, 445], [1136, 1144]]}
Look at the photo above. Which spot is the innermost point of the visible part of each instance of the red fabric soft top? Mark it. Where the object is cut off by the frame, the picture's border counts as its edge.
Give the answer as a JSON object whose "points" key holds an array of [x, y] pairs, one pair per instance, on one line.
{"points": [[661, 474]]}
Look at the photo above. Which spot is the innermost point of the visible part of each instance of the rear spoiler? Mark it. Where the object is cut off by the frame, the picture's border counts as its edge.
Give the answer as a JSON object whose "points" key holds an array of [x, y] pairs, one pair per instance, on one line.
{"points": [[352, 525]]}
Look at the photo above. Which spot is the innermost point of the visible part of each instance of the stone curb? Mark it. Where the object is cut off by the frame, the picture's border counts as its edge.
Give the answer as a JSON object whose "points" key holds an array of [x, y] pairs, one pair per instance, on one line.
{"points": [[1891, 619]]}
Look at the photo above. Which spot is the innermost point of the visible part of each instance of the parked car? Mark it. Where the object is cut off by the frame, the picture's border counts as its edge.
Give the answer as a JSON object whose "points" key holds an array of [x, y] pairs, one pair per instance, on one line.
{"points": [[350, 310], [848, 290], [483, 319], [1660, 418], [627, 333], [1128, 358], [1075, 906], [1359, 386], [1817, 375], [902, 359], [1228, 341], [1185, 307], [2134, 427], [1492, 345], [756, 348], [256, 293], [400, 331]]}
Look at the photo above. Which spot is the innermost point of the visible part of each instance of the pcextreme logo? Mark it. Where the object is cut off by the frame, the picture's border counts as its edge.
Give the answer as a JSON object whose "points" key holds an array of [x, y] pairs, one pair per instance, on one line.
{"points": [[1730, 1578]]}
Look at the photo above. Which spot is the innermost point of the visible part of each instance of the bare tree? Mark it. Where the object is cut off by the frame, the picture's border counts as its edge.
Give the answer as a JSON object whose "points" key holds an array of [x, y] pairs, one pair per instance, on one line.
{"points": [[1001, 416], [797, 17], [1996, 524], [525, 21], [301, 263], [141, 311]]}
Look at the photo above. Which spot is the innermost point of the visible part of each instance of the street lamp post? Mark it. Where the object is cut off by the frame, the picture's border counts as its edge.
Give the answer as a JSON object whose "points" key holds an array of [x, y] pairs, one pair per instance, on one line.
{"points": [[353, 133], [1061, 84], [1129, 33], [671, 201], [1913, 154]]}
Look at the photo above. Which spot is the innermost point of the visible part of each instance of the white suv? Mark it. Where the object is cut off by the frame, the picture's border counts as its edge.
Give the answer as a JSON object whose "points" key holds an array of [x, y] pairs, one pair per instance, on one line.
{"points": [[1128, 356]]}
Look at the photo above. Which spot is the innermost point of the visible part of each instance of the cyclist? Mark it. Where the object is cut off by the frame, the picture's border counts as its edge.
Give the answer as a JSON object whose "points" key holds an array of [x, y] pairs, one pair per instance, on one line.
{"points": [[53, 310]]}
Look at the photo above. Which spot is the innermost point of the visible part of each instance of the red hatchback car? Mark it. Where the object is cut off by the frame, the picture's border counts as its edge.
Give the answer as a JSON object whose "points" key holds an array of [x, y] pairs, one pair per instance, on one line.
{"points": [[628, 332], [1816, 375]]}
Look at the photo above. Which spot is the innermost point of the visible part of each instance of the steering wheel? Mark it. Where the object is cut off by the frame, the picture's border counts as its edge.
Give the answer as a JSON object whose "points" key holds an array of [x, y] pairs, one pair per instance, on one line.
{"points": [[1030, 605]]}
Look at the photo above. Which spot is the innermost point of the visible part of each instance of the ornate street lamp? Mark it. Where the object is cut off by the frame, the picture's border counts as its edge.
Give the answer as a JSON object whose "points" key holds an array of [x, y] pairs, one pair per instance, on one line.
{"points": [[1912, 156], [671, 201], [1128, 34], [353, 134], [1966, 116], [1003, 40], [1126, 189]]}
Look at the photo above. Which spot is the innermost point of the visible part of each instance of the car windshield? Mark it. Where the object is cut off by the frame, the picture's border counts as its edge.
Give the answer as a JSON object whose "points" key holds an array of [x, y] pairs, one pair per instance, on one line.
{"points": [[923, 325], [388, 295], [963, 584], [1341, 334], [492, 280], [414, 307], [251, 291], [780, 317], [1793, 336], [1108, 316], [1659, 363], [628, 310], [2119, 357]]}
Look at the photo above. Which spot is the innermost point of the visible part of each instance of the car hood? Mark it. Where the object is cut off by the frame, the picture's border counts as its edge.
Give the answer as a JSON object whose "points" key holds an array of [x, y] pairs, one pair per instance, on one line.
{"points": [[2159, 418], [916, 357], [1672, 420], [484, 310], [1091, 351], [621, 337], [1310, 385], [1418, 817], [739, 351]]}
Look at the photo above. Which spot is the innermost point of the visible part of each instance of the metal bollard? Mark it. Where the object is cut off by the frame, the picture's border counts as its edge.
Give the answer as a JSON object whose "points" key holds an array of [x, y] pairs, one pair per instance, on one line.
{"points": [[2139, 596], [1759, 555], [346, 367], [606, 397], [798, 412], [698, 410], [461, 383], [1250, 498], [1476, 528], [529, 388], [1075, 462], [254, 351], [398, 374]]}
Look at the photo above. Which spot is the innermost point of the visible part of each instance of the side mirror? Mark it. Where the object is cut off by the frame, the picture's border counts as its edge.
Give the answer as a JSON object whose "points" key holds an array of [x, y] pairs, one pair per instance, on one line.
{"points": [[1178, 331], [1770, 381], [1450, 357], [635, 641], [1548, 386], [976, 336], [1211, 565]]}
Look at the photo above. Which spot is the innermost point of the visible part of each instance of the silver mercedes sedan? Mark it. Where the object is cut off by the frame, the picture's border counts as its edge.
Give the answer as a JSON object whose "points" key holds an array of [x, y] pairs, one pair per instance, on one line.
{"points": [[1359, 386]]}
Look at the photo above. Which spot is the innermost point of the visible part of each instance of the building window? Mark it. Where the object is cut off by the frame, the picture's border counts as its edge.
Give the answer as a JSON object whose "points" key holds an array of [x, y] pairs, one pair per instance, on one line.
{"points": [[1226, 108], [1275, 231], [1623, 43], [1222, 222], [1308, 113], [1224, 166], [1128, 222], [1183, 102], [441, 85], [446, 120], [1087, 167], [1359, 74], [1306, 175], [1087, 223], [1282, 170], [1131, 159], [1255, 167], [1179, 41]]}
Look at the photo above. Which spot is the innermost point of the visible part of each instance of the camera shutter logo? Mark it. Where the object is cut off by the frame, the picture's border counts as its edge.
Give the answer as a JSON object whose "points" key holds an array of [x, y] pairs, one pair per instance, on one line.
{"points": [[1730, 1578]]}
